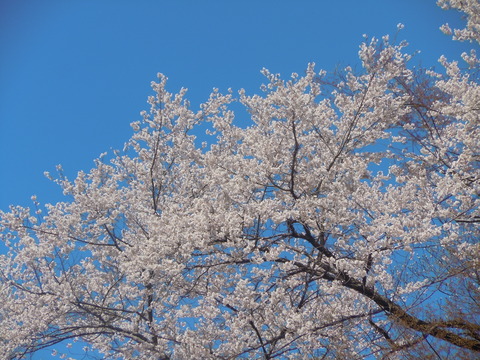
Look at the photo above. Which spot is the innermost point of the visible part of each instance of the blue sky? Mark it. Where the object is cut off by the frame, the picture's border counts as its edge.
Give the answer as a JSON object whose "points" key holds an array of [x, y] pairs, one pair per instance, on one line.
{"points": [[75, 73]]}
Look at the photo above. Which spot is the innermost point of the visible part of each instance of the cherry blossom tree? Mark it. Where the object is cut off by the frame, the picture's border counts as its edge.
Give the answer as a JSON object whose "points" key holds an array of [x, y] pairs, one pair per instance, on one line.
{"points": [[343, 222]]}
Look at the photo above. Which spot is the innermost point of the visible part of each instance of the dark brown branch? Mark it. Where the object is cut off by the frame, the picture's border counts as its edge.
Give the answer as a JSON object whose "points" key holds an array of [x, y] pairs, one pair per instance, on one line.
{"points": [[399, 314], [394, 310], [308, 236], [264, 349], [293, 165]]}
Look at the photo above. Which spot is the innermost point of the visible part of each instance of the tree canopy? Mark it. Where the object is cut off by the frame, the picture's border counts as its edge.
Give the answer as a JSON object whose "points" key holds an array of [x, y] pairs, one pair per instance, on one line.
{"points": [[342, 222]]}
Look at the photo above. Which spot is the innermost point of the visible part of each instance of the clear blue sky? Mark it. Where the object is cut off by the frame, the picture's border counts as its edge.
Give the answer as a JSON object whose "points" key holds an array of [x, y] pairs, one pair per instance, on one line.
{"points": [[75, 73]]}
